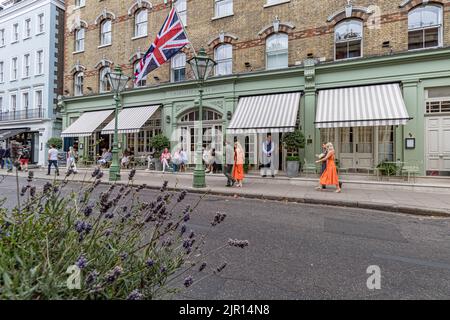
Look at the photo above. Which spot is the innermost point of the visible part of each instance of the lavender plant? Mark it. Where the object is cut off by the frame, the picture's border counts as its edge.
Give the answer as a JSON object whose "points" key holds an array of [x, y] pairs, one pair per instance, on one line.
{"points": [[124, 247]]}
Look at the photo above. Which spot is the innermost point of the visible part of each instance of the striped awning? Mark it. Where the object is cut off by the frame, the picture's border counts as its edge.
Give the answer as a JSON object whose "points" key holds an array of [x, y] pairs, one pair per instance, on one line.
{"points": [[267, 113], [131, 120], [377, 105], [85, 125], [9, 133]]}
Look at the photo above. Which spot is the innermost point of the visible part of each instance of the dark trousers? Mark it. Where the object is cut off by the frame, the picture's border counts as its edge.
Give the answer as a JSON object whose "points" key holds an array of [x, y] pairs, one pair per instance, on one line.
{"points": [[228, 173], [2, 163], [54, 163]]}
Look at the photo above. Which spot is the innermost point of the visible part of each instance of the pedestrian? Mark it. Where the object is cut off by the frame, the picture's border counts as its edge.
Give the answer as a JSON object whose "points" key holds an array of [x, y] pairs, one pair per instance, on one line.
{"points": [[53, 159], [165, 159], [72, 160], [229, 158], [239, 160], [268, 149], [7, 159], [329, 176], [24, 159], [324, 163], [212, 161], [184, 160], [2, 156], [176, 160], [206, 158]]}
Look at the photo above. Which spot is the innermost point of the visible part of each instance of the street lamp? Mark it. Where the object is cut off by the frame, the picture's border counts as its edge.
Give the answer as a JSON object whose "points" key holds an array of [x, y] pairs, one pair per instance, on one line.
{"points": [[118, 82], [202, 66]]}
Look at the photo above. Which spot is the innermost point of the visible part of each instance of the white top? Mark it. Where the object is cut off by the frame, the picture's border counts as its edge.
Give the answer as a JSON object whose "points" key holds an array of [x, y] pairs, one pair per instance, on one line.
{"points": [[52, 154]]}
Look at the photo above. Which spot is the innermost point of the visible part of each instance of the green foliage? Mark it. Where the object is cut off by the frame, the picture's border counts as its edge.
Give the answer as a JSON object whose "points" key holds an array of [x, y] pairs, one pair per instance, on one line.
{"points": [[294, 141], [125, 248], [387, 169], [159, 142], [293, 158], [58, 142]]}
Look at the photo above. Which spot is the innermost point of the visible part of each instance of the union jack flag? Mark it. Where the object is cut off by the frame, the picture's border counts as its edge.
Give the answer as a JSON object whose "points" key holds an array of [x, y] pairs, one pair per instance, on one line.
{"points": [[169, 41]]}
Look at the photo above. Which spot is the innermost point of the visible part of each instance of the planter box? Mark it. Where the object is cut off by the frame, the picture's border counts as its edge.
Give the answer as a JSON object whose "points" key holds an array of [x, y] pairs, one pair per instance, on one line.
{"points": [[292, 168]]}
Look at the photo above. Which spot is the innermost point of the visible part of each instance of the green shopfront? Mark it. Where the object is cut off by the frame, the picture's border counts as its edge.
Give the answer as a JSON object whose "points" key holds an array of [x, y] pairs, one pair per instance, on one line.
{"points": [[389, 108]]}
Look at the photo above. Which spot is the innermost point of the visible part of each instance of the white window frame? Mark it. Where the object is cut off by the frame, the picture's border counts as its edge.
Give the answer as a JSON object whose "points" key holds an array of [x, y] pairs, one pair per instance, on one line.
{"points": [[141, 83], [174, 66], [2, 71], [26, 73], [222, 61], [2, 37], [103, 80], [39, 64], [277, 52], [78, 86], [181, 6], [1, 104], [80, 3], [79, 42], [138, 23], [15, 33], [27, 29], [424, 28], [25, 100], [13, 105], [349, 40], [218, 4], [39, 95], [271, 3], [103, 33], [14, 68], [40, 24]]}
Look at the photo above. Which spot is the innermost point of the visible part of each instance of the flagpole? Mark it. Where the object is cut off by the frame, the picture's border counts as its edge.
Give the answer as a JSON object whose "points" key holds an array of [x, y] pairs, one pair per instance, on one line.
{"points": [[184, 29]]}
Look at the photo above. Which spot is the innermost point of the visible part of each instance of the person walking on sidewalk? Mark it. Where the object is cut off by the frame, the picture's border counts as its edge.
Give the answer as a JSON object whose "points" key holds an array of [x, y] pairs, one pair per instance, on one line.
{"points": [[53, 159], [268, 148], [24, 159], [324, 163], [72, 160], [329, 176], [239, 160], [229, 160], [2, 156]]}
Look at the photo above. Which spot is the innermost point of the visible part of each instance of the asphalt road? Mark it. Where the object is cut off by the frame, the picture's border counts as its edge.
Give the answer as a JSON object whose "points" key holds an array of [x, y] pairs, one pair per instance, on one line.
{"points": [[313, 252]]}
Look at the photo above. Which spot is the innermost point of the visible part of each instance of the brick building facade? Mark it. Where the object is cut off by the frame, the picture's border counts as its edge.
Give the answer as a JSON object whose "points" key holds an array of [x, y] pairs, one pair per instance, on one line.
{"points": [[275, 47]]}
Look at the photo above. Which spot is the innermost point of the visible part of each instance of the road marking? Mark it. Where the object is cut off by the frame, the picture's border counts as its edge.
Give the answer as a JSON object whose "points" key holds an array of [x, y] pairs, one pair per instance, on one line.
{"points": [[419, 262]]}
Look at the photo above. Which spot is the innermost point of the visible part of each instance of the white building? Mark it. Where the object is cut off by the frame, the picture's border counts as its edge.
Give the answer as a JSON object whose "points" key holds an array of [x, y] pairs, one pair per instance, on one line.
{"points": [[31, 72]]}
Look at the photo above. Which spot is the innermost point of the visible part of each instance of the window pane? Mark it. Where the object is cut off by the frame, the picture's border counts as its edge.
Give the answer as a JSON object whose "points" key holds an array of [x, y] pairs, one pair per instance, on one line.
{"points": [[354, 49], [425, 16], [341, 50], [415, 39], [431, 37]]}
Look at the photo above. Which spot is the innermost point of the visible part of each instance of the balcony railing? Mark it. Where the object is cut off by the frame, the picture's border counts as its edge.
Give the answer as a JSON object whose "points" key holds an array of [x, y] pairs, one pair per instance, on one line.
{"points": [[26, 114]]}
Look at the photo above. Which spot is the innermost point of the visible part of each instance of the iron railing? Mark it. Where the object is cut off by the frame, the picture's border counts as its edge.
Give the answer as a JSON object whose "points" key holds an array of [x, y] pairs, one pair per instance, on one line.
{"points": [[36, 113]]}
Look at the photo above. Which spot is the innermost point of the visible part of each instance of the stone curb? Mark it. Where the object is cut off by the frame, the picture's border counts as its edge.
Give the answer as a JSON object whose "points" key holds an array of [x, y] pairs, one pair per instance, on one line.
{"points": [[417, 211]]}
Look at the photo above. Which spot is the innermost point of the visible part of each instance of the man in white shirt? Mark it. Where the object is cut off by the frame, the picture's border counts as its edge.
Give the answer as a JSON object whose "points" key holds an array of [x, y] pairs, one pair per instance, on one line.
{"points": [[268, 149], [53, 159]]}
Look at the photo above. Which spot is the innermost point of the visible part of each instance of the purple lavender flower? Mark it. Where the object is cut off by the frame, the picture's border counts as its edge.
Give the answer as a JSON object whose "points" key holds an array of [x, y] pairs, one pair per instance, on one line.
{"points": [[202, 267], [30, 176], [188, 281], [88, 210], [183, 229], [113, 274], [163, 269], [96, 172], [32, 191], [99, 176], [238, 243], [186, 217], [150, 263], [81, 262], [92, 277], [164, 186], [24, 190], [135, 295], [182, 196], [132, 174], [191, 235], [108, 232], [218, 218], [123, 256], [47, 187]]}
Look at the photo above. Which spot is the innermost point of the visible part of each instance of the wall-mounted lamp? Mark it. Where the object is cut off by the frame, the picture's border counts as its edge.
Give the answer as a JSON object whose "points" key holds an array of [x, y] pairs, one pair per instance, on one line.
{"points": [[229, 115], [168, 119]]}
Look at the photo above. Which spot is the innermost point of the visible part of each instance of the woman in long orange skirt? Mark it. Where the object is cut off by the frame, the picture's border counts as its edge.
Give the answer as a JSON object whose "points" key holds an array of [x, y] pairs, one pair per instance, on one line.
{"points": [[329, 176], [239, 160]]}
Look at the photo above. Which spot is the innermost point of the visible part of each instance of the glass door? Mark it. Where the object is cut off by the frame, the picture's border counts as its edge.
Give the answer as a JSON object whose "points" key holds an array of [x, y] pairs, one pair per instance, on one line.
{"points": [[364, 148]]}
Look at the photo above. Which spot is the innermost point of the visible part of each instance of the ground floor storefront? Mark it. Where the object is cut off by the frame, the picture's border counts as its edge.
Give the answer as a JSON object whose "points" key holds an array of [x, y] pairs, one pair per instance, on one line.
{"points": [[30, 136], [390, 109]]}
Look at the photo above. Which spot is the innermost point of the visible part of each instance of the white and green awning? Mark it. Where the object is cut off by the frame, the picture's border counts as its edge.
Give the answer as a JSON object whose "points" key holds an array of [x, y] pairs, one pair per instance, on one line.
{"points": [[365, 106], [131, 120], [266, 113], [85, 125]]}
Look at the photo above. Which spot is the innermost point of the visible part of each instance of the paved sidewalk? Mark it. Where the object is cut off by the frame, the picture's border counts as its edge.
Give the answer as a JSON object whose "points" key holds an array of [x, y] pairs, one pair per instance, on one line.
{"points": [[393, 197]]}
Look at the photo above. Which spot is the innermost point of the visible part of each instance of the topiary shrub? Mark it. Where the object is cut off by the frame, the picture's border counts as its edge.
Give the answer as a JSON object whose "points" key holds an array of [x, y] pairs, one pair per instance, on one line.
{"points": [[58, 142], [159, 143]]}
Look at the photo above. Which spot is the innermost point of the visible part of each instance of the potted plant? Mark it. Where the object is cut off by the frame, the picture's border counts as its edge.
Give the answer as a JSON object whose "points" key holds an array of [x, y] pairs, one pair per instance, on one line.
{"points": [[387, 168], [56, 141], [293, 141], [159, 143]]}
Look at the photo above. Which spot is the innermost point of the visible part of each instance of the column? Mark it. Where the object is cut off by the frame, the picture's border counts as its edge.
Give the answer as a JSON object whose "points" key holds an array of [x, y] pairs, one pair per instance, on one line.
{"points": [[312, 135]]}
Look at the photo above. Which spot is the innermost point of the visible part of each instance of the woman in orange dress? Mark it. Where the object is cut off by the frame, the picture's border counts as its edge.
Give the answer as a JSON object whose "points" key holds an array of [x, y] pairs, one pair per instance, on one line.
{"points": [[329, 176], [239, 160]]}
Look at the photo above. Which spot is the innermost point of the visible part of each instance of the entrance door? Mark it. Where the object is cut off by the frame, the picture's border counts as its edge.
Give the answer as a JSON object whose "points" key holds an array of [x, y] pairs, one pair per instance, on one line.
{"points": [[356, 148], [438, 145]]}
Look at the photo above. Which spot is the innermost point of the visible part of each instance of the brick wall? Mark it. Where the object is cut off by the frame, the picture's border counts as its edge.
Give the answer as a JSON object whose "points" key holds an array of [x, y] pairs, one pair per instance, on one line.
{"points": [[311, 32]]}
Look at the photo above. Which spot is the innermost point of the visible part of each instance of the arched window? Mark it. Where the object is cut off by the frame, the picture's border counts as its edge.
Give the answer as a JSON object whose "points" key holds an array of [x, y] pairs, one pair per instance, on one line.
{"points": [[141, 83], [223, 55], [425, 27], [178, 66], [78, 80], [277, 46], [208, 115], [104, 85], [106, 33], [348, 36], [140, 23], [79, 39]]}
